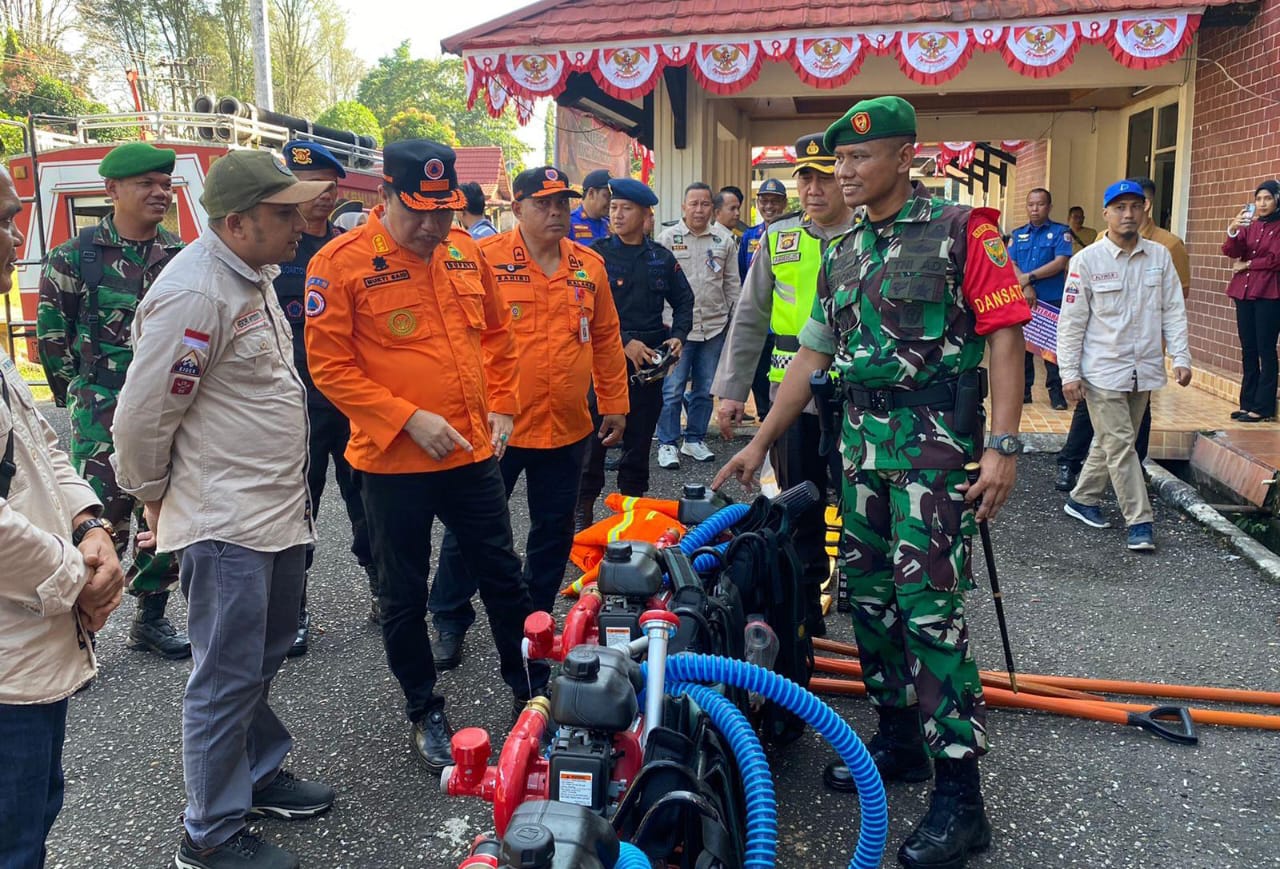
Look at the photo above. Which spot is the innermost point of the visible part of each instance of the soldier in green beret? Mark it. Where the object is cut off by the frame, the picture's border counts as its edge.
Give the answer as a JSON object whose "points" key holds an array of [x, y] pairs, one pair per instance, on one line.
{"points": [[907, 303], [88, 292]]}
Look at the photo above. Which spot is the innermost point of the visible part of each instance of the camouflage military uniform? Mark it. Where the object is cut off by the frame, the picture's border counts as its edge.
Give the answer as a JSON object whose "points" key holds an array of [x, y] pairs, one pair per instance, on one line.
{"points": [[89, 382], [893, 315]]}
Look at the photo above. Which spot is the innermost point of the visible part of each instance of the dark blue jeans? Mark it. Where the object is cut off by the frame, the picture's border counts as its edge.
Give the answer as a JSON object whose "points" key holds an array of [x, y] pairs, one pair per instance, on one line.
{"points": [[31, 782], [551, 479]]}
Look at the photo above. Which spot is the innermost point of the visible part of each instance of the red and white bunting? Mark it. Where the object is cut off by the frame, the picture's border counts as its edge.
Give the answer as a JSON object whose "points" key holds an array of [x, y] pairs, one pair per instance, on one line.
{"points": [[1147, 42], [1040, 50], [536, 75], [930, 56], [726, 67], [828, 61], [934, 56], [495, 96], [472, 82], [628, 72]]}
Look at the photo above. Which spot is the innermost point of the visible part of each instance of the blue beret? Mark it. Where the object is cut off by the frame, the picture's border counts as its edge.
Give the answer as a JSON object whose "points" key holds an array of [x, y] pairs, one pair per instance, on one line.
{"points": [[633, 191], [301, 156], [1122, 188]]}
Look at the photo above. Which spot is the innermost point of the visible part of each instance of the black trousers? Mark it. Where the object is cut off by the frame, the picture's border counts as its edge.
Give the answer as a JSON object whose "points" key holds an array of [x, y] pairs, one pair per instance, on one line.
{"points": [[330, 431], [795, 458], [1052, 380], [472, 503], [551, 480], [1076, 449], [1258, 324], [760, 386], [637, 444]]}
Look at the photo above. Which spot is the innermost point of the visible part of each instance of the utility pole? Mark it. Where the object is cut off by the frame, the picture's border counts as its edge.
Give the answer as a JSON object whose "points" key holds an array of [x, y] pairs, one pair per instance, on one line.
{"points": [[262, 96]]}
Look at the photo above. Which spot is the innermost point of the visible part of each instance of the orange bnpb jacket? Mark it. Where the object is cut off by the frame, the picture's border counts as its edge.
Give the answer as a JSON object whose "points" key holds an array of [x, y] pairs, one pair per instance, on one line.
{"points": [[567, 335], [388, 334]]}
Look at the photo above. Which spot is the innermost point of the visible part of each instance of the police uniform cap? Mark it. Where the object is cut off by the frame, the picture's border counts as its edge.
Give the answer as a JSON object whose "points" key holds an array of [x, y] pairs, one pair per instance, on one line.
{"points": [[812, 154], [302, 156], [1125, 187], [136, 158], [595, 179], [878, 118], [542, 181], [632, 190], [771, 187], [239, 180], [422, 174]]}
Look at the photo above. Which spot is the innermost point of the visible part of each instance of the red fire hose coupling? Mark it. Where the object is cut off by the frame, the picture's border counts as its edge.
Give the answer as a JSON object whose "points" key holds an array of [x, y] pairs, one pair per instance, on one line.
{"points": [[520, 773], [541, 643]]}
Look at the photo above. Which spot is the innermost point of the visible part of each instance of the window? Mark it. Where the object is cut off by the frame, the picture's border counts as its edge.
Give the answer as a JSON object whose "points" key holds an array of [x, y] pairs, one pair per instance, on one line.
{"points": [[1152, 153]]}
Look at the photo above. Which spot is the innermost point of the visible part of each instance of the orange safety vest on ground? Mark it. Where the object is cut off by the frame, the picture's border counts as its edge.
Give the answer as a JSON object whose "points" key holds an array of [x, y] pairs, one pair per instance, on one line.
{"points": [[618, 503], [567, 335], [589, 544], [388, 333]]}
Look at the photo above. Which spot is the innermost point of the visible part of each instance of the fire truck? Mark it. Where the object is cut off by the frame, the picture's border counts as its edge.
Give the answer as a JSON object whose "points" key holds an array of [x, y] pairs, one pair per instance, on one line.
{"points": [[56, 176]]}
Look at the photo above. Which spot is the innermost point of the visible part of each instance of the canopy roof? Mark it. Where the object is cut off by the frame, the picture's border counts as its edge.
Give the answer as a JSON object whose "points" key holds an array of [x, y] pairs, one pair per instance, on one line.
{"points": [[624, 47]]}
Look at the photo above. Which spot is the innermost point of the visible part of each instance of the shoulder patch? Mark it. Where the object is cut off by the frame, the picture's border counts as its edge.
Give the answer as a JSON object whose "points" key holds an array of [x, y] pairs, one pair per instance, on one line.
{"points": [[315, 303]]}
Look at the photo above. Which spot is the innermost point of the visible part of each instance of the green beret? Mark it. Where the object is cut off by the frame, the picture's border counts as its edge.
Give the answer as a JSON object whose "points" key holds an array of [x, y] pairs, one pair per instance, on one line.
{"points": [[136, 158], [879, 118]]}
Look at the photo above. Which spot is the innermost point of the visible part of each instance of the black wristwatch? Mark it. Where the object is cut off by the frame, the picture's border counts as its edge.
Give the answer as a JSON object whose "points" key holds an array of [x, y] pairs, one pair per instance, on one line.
{"points": [[1005, 444], [88, 525]]}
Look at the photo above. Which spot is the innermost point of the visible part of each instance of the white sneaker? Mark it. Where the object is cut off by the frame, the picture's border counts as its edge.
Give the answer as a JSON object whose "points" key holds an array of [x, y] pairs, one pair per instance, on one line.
{"points": [[697, 451], [668, 457]]}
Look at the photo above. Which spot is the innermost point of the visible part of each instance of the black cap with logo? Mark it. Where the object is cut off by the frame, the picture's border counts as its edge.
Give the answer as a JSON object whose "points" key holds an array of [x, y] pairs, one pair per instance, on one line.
{"points": [[423, 174]]}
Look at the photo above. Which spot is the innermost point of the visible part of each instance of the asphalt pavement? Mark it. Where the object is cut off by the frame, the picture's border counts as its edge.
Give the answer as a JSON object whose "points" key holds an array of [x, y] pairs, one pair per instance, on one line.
{"points": [[1060, 792]]}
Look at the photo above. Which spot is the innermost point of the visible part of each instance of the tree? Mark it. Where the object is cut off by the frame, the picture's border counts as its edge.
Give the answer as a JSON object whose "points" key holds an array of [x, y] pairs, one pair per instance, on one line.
{"points": [[417, 124], [400, 82], [353, 116], [294, 58], [549, 135], [232, 35], [126, 35], [40, 25]]}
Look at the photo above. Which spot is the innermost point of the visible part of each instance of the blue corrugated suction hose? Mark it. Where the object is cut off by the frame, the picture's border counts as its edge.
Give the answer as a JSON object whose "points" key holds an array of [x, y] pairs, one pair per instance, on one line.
{"points": [[874, 832], [631, 857], [704, 532], [753, 767]]}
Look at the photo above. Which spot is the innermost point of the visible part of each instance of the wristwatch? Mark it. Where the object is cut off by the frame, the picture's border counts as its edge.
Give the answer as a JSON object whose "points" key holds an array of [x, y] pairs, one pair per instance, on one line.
{"points": [[1005, 444], [88, 525]]}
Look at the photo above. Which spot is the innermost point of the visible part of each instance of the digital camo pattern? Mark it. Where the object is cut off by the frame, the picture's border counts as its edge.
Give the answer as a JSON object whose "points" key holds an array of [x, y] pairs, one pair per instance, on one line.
{"points": [[906, 563], [128, 270], [894, 300]]}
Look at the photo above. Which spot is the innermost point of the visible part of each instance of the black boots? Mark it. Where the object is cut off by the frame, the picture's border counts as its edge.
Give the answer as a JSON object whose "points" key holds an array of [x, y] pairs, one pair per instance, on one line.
{"points": [[897, 749], [955, 825], [152, 632]]}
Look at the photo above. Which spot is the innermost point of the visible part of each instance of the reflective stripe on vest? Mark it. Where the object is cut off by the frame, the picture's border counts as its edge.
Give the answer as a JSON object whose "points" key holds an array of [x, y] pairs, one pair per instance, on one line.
{"points": [[796, 257]]}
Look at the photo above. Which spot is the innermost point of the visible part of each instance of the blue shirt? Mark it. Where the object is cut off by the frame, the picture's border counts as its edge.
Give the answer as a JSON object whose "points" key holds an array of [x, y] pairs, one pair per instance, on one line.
{"points": [[747, 247], [1033, 246], [482, 228], [585, 230]]}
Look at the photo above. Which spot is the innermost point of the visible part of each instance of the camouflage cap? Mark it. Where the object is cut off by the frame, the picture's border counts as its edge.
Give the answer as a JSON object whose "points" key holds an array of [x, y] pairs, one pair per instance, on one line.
{"points": [[878, 118], [136, 158]]}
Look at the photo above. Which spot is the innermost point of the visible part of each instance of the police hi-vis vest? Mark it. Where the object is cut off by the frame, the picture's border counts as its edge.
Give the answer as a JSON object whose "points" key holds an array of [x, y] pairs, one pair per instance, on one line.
{"points": [[796, 258]]}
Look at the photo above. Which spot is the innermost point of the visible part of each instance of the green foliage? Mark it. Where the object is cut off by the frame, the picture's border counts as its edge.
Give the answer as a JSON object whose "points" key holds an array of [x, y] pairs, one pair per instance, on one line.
{"points": [[437, 87], [353, 116], [417, 124], [10, 137]]}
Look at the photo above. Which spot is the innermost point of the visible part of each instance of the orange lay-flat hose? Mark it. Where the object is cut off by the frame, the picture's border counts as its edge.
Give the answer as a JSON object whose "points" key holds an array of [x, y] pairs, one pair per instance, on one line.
{"points": [[993, 680], [1110, 686], [1115, 713]]}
